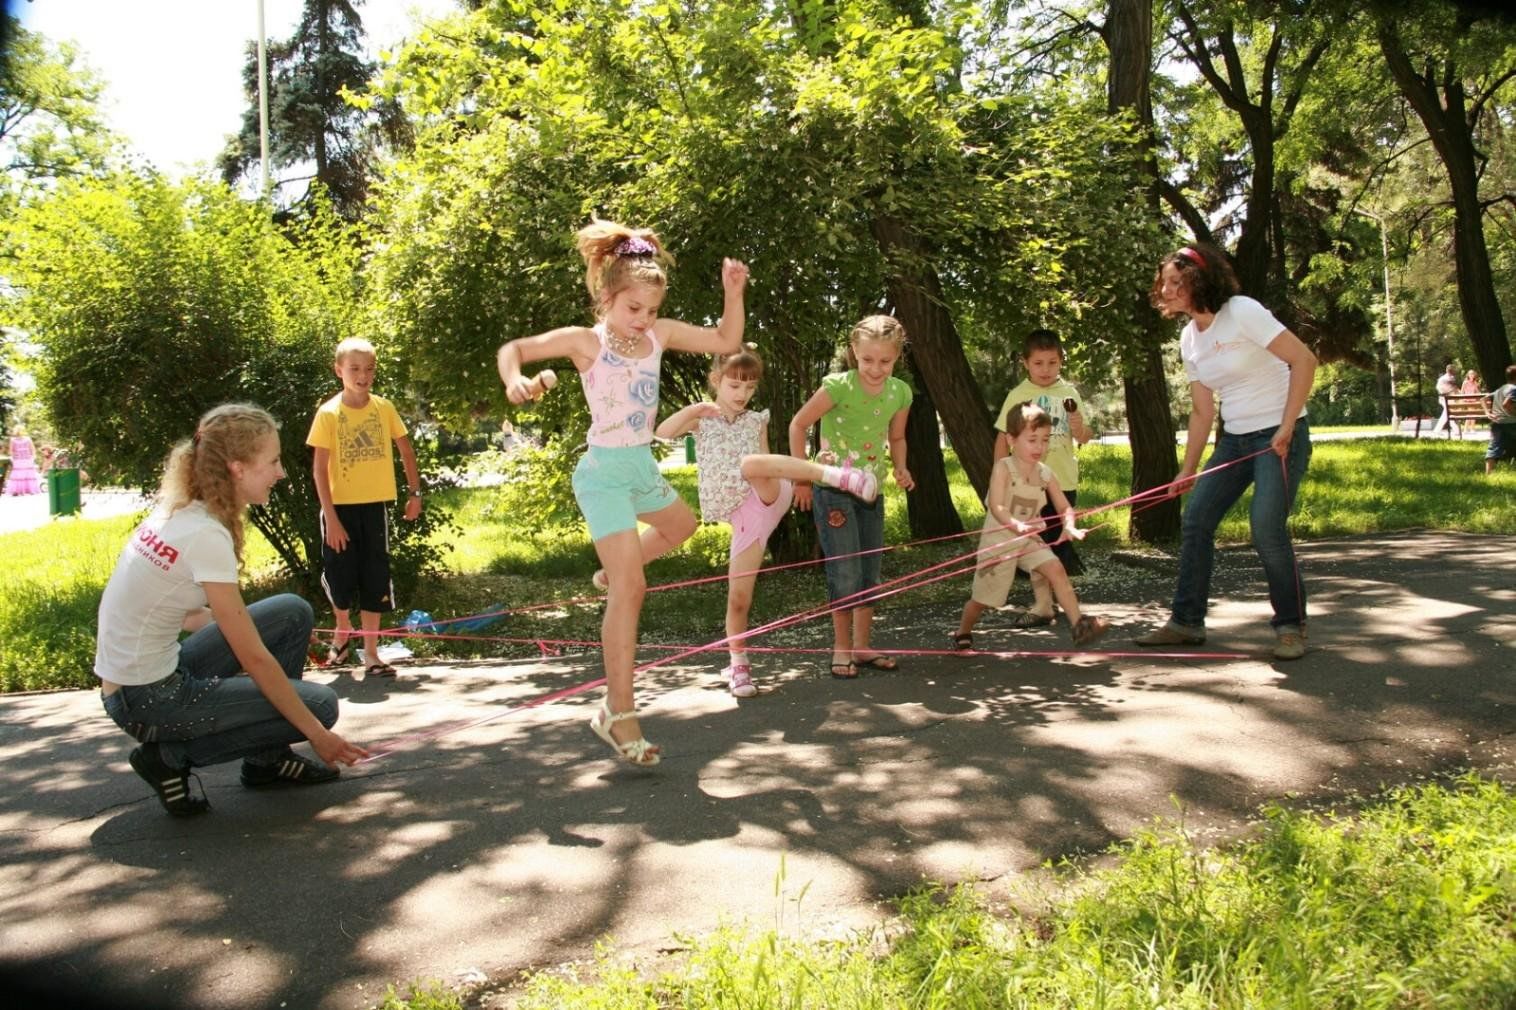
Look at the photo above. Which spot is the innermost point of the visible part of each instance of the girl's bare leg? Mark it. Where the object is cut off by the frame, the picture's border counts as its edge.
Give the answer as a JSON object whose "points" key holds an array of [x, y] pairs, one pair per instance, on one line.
{"points": [[743, 576], [863, 627], [842, 637], [771, 467], [621, 559]]}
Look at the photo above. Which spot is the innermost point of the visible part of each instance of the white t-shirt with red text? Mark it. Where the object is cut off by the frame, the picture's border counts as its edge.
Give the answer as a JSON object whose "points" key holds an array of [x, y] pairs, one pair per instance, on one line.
{"points": [[158, 580]]}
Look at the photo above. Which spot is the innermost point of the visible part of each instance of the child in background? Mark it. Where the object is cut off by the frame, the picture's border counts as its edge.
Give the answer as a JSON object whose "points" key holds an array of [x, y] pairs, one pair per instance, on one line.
{"points": [[617, 483], [742, 484], [354, 472], [1021, 485], [1044, 386], [862, 413], [1502, 423]]}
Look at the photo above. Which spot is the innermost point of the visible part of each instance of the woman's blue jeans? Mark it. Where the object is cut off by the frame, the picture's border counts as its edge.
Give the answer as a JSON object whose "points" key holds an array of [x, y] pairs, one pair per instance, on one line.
{"points": [[204, 713], [1215, 492], [846, 526]]}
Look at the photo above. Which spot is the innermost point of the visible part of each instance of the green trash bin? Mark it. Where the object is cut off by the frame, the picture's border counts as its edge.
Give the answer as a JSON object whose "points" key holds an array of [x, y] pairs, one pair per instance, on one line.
{"points": [[62, 491], [689, 450]]}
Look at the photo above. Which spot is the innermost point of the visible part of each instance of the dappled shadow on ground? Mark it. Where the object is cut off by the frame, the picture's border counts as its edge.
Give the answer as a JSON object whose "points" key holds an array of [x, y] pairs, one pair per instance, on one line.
{"points": [[519, 841]]}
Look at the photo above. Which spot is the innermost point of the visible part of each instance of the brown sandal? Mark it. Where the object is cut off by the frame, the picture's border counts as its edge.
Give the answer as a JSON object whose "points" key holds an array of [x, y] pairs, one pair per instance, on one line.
{"points": [[963, 641]]}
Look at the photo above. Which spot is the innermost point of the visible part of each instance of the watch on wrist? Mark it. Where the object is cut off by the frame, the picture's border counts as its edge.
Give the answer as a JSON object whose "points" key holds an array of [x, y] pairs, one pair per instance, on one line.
{"points": [[415, 494]]}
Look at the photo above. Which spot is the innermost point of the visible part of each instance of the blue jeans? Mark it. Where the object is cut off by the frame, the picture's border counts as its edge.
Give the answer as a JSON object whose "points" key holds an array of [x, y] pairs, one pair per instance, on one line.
{"points": [[845, 526], [1213, 496], [204, 713]]}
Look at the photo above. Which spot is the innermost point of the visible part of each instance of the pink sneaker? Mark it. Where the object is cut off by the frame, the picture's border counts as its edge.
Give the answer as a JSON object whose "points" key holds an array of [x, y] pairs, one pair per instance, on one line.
{"points": [[862, 483], [739, 677]]}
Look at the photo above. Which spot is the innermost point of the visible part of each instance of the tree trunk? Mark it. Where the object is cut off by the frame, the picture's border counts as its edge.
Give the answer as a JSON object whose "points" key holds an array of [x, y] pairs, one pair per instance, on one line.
{"points": [[932, 513], [1447, 123], [1150, 423], [937, 355]]}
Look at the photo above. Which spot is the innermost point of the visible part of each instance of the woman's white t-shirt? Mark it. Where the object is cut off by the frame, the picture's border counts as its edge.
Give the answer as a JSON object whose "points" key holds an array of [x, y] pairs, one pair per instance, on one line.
{"points": [[158, 580], [1231, 358]]}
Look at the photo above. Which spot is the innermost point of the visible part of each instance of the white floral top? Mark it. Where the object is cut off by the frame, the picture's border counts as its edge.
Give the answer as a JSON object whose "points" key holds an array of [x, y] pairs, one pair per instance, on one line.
{"points": [[719, 447]]}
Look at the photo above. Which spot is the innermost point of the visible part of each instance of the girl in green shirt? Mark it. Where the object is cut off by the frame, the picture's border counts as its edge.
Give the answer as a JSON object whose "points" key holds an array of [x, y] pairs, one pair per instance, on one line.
{"points": [[862, 413]]}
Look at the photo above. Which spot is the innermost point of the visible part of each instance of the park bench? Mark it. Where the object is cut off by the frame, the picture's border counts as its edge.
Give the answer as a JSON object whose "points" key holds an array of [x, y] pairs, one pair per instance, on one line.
{"points": [[1466, 407]]}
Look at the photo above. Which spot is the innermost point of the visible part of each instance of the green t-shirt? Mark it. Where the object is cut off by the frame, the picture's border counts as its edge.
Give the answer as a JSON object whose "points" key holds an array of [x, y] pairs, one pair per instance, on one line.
{"points": [[1060, 458], [858, 425]]}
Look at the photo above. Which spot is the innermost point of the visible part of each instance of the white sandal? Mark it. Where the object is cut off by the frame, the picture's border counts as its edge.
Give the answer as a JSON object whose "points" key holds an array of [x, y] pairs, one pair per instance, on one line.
{"points": [[638, 751]]}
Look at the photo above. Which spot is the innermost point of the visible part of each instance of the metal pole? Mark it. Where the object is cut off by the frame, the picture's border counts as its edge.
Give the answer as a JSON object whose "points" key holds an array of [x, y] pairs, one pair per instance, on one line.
{"points": [[262, 101]]}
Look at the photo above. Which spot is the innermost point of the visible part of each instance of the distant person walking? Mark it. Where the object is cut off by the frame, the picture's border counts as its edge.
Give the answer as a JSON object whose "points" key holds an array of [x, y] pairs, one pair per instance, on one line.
{"points": [[1447, 385]]}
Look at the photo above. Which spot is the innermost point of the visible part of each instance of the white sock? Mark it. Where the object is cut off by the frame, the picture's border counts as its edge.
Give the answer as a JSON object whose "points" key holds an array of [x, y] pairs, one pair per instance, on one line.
{"points": [[739, 658]]}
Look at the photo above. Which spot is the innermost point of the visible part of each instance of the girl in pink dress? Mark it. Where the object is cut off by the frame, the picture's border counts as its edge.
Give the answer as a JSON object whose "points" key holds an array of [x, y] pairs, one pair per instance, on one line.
{"points": [[22, 478]]}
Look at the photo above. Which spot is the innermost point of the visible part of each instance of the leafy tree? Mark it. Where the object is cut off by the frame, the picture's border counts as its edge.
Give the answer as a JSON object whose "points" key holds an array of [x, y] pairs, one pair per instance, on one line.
{"points": [[1451, 63], [834, 147], [316, 117], [50, 123], [154, 301]]}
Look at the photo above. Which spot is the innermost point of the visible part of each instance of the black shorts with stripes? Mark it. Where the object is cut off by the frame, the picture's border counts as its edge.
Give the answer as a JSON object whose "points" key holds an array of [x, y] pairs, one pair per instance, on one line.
{"points": [[361, 573]]}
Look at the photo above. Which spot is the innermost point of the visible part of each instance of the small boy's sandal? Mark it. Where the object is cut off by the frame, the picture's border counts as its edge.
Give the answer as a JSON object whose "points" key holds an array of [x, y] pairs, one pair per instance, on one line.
{"points": [[171, 784], [290, 770], [963, 642]]}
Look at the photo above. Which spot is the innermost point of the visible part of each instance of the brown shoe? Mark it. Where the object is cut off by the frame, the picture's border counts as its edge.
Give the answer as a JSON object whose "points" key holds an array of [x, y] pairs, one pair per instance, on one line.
{"points": [[1290, 644], [1173, 634]]}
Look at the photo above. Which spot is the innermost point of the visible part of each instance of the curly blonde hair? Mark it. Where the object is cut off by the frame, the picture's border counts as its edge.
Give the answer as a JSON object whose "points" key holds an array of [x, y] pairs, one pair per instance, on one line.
{"points": [[198, 468], [616, 257]]}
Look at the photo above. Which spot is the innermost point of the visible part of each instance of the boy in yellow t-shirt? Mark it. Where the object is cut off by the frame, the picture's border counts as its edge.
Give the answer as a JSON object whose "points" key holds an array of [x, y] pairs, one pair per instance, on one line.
{"points": [[1044, 386], [354, 471]]}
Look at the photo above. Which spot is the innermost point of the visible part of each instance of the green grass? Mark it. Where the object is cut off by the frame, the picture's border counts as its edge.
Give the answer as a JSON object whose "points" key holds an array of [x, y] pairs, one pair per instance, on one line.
{"points": [[1407, 904], [51, 584]]}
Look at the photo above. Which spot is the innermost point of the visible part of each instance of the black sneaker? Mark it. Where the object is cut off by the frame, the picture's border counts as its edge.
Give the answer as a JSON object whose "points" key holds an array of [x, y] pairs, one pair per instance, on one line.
{"points": [[289, 770], [171, 784]]}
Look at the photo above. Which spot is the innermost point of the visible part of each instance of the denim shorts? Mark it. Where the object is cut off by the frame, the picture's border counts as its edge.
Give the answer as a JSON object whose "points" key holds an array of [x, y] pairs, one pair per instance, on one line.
{"points": [[1502, 441], [846, 527], [615, 484]]}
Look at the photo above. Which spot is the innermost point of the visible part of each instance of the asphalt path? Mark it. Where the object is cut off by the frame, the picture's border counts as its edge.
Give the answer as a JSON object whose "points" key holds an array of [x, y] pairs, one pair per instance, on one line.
{"points": [[518, 842]]}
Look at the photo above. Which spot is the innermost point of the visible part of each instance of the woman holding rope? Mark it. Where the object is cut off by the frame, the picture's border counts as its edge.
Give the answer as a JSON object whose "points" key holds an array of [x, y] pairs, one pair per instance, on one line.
{"points": [[1234, 348]]}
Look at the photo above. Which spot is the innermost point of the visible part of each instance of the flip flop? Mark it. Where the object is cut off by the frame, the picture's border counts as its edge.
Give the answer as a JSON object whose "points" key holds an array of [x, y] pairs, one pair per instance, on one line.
{"points": [[849, 671], [877, 663], [339, 655], [379, 670]]}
